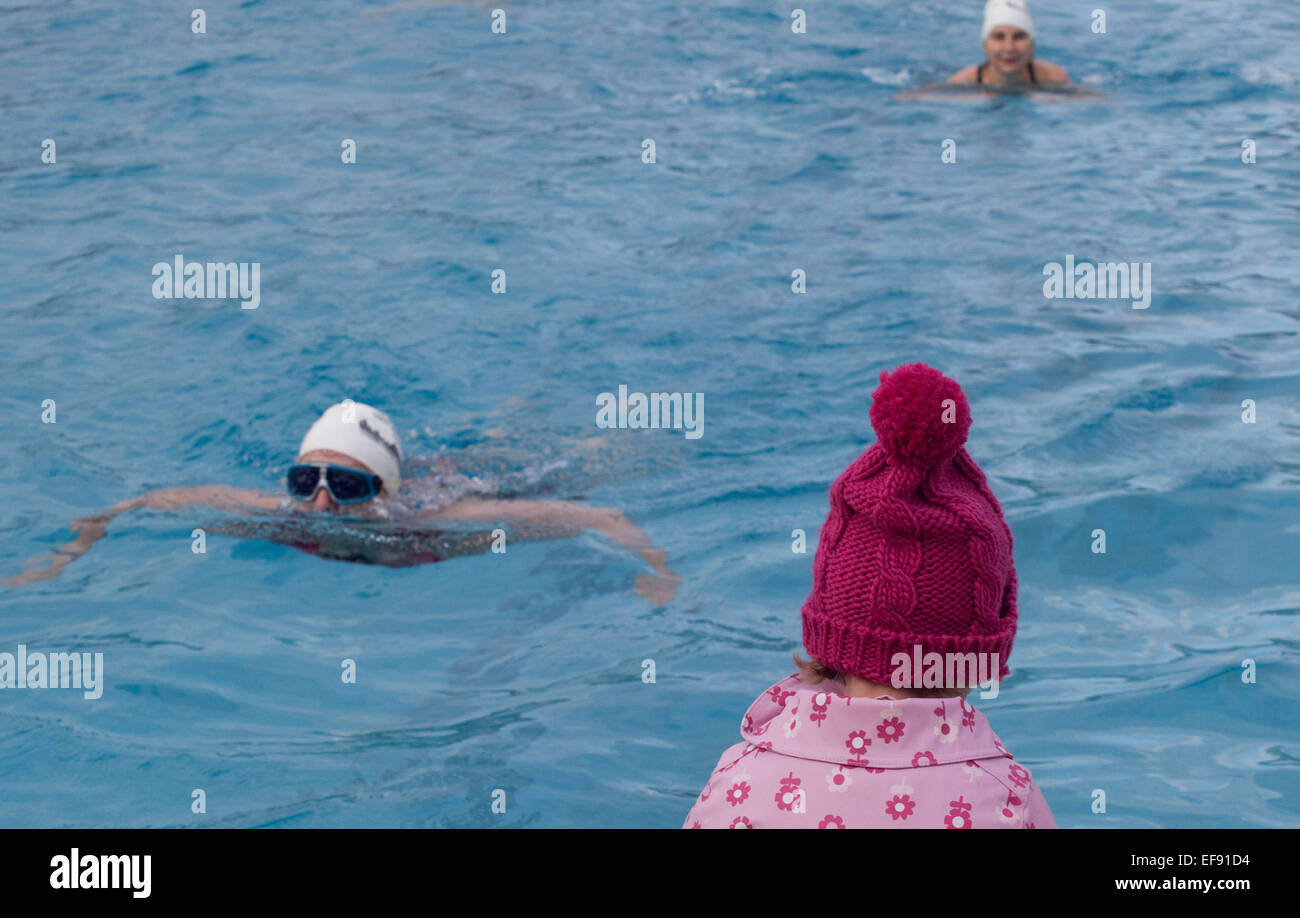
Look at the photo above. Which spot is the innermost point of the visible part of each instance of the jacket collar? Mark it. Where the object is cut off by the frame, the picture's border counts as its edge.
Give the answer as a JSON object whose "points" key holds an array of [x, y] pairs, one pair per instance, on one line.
{"points": [[819, 722]]}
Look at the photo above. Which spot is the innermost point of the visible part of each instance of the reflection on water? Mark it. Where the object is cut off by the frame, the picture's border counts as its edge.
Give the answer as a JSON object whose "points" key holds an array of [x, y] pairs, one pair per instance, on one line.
{"points": [[976, 92]]}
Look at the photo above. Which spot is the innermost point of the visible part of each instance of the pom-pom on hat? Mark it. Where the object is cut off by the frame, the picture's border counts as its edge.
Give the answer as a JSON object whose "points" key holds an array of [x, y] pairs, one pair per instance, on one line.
{"points": [[915, 549]]}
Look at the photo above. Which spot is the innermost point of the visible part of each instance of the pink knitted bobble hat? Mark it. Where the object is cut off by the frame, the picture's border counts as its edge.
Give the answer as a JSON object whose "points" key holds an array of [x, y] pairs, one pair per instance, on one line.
{"points": [[915, 549]]}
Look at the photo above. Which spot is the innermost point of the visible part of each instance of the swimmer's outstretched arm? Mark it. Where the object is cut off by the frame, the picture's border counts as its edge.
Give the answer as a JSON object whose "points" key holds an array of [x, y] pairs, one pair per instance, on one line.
{"points": [[567, 514], [90, 529]]}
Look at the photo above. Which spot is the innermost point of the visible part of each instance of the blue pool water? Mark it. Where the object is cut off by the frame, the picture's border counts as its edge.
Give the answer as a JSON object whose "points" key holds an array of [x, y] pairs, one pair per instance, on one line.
{"points": [[522, 151]]}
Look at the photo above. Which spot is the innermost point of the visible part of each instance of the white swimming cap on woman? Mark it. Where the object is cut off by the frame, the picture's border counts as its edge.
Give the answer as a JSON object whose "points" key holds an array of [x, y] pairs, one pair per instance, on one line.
{"points": [[1013, 13], [362, 432]]}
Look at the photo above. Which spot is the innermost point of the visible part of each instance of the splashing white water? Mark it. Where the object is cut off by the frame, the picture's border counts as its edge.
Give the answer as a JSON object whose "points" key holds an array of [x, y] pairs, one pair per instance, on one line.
{"points": [[882, 77], [1267, 75]]}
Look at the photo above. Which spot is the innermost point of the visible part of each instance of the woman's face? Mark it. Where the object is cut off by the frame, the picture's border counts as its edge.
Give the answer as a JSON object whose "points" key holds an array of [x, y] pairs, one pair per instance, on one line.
{"points": [[1009, 49], [322, 502]]}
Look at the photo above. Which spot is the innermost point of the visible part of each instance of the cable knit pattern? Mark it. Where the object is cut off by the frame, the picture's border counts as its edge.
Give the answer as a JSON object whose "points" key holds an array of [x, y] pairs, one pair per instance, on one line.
{"points": [[955, 491], [1002, 610], [915, 549]]}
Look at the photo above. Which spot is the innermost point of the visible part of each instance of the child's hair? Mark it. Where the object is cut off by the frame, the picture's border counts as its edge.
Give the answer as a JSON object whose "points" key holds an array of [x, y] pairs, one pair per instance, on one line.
{"points": [[814, 671]]}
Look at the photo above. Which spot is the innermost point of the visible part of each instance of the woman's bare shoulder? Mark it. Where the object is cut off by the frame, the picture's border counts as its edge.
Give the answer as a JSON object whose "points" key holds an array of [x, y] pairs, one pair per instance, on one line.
{"points": [[965, 75], [1050, 73]]}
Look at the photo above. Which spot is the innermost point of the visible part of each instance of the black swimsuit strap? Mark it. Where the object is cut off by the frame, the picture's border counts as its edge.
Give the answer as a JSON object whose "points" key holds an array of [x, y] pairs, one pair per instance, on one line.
{"points": [[1032, 78]]}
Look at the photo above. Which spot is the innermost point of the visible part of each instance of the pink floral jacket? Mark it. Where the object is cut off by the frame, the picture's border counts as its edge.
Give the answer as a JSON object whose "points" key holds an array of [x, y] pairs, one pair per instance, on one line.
{"points": [[814, 758]]}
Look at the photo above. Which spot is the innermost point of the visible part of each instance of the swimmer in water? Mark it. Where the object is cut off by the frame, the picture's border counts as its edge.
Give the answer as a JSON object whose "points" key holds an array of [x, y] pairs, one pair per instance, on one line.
{"points": [[1008, 37], [349, 464]]}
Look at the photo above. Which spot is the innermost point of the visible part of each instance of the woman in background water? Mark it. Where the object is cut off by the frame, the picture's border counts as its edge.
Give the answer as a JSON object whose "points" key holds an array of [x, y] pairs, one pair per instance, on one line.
{"points": [[1008, 37]]}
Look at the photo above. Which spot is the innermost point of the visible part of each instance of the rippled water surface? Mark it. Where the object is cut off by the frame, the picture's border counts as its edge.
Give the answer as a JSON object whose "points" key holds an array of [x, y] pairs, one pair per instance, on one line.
{"points": [[522, 151]]}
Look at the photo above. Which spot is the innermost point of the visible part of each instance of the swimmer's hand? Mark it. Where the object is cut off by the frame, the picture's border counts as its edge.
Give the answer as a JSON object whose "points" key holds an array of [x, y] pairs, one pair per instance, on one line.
{"points": [[565, 514], [89, 529], [659, 590]]}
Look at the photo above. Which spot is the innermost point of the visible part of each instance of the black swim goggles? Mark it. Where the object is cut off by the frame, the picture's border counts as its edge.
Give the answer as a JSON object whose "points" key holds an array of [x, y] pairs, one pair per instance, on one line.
{"points": [[345, 485]]}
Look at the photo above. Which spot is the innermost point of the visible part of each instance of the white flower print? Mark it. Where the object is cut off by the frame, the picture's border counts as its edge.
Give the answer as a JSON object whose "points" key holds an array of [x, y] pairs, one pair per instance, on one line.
{"points": [[839, 780]]}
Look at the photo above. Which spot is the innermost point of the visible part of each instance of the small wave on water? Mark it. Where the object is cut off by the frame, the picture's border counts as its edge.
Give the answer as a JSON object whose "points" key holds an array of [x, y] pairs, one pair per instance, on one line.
{"points": [[1267, 75], [434, 482], [972, 92], [882, 76], [744, 88]]}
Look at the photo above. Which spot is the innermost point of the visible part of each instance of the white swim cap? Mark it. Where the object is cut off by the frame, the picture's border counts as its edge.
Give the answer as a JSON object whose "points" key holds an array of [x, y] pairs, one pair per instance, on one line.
{"points": [[1006, 13], [363, 433]]}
